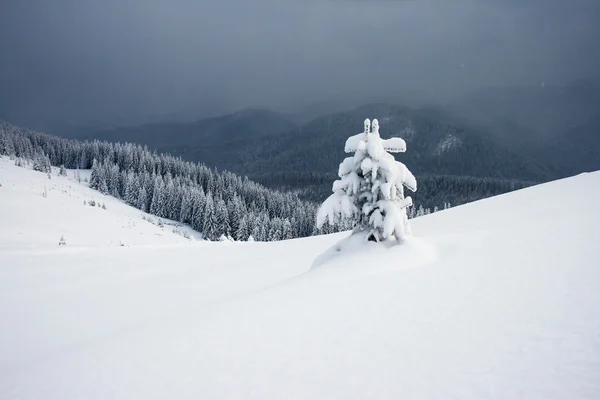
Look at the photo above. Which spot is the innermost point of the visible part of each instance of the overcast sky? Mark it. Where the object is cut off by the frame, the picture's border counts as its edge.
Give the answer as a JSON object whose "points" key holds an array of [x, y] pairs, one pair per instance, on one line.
{"points": [[80, 60]]}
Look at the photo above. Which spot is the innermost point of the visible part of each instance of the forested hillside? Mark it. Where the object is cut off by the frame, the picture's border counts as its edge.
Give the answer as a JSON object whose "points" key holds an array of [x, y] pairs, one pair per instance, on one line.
{"points": [[305, 159], [218, 204], [436, 147], [253, 143], [217, 142]]}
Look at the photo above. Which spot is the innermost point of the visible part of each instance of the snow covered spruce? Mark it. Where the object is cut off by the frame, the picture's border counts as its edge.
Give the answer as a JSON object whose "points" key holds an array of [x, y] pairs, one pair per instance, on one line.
{"points": [[370, 191]]}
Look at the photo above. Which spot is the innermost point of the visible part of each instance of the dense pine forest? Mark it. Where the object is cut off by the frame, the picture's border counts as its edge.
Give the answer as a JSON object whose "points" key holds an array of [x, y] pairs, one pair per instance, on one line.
{"points": [[218, 204]]}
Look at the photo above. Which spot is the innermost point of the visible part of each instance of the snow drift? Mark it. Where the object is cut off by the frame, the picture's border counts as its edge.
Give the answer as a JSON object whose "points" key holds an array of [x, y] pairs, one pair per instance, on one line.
{"points": [[496, 299]]}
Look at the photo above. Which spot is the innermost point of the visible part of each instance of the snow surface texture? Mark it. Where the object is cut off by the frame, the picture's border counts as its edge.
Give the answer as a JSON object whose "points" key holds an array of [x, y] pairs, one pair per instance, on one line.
{"points": [[497, 299]]}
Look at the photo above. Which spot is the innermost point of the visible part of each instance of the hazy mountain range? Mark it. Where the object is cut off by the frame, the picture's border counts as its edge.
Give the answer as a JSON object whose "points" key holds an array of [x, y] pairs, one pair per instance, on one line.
{"points": [[525, 134]]}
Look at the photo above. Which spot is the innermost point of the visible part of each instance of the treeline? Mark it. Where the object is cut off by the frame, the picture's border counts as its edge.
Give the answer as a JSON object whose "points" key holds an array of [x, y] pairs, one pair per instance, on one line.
{"points": [[218, 204], [441, 189], [434, 191]]}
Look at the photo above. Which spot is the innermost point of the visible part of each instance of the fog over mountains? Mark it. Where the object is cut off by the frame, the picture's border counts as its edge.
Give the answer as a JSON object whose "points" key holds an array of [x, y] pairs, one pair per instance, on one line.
{"points": [[71, 65], [484, 144]]}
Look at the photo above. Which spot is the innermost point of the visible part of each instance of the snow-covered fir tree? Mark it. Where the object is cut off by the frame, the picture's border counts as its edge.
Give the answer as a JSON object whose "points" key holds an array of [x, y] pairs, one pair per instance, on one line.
{"points": [[142, 200], [41, 162], [210, 228], [241, 233], [222, 217], [370, 191]]}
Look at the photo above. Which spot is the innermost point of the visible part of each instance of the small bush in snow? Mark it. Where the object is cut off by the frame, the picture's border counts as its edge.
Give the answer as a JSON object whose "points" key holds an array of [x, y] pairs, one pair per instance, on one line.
{"points": [[103, 206], [92, 203], [41, 163], [62, 241], [181, 233], [370, 191], [62, 171], [149, 219]]}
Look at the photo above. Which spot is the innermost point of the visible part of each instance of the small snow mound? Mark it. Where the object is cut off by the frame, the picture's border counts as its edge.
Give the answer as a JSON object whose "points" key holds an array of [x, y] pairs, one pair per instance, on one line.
{"points": [[356, 253]]}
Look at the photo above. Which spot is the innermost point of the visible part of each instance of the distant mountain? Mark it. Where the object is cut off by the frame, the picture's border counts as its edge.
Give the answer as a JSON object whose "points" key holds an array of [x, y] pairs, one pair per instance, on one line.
{"points": [[578, 149], [268, 148], [557, 126], [453, 163], [344, 102], [216, 141], [434, 147]]}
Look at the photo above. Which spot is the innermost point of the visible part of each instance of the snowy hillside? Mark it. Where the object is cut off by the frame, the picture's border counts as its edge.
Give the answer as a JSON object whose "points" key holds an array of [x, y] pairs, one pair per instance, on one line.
{"points": [[30, 220], [497, 299]]}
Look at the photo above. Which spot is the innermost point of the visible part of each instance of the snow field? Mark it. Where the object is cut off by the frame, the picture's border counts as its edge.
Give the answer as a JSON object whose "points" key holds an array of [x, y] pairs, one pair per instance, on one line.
{"points": [[496, 299]]}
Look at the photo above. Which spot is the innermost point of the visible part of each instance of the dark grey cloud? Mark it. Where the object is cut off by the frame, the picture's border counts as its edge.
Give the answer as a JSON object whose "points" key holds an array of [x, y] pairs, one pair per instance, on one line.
{"points": [[126, 60]]}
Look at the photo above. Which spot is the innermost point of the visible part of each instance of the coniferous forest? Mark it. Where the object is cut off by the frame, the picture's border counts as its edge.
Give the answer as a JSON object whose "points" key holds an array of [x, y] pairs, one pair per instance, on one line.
{"points": [[219, 204], [215, 203]]}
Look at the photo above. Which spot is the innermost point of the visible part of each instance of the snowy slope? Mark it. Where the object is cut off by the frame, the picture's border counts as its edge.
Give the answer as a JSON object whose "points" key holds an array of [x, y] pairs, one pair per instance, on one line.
{"points": [[496, 299], [30, 220]]}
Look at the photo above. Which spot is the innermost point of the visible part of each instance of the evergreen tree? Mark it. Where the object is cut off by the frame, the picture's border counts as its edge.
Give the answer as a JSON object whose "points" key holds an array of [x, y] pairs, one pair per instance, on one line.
{"points": [[41, 162], [6, 145], [185, 213], [287, 232], [114, 176], [275, 230], [370, 190], [198, 206], [234, 212], [94, 177], [142, 200], [83, 160], [171, 208], [132, 189], [157, 203], [241, 234], [210, 229], [122, 185], [222, 217], [257, 233]]}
